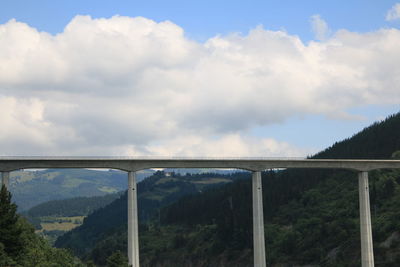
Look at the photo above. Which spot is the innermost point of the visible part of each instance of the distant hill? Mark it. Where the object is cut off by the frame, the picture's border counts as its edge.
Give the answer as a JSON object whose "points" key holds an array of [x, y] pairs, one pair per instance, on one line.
{"points": [[184, 171], [30, 188], [77, 206], [311, 216]]}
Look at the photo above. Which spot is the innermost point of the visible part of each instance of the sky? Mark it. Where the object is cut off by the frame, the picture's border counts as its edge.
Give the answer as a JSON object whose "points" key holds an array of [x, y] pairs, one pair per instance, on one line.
{"points": [[194, 78]]}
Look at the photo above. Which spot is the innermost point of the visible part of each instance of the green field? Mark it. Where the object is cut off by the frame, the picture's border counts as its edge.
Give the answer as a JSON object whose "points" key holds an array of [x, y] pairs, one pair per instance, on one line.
{"points": [[53, 227], [213, 181], [60, 223]]}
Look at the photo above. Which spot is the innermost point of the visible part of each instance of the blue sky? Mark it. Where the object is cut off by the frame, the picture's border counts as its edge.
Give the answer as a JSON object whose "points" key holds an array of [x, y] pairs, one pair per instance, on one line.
{"points": [[204, 19], [209, 28]]}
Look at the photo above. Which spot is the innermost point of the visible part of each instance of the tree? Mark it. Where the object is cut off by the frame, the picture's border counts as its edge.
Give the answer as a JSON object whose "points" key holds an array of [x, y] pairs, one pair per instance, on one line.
{"points": [[117, 259], [396, 155], [10, 230], [4, 259]]}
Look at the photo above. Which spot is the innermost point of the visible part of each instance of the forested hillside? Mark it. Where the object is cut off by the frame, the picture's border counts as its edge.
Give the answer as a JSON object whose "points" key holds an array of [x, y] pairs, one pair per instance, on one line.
{"points": [[377, 141], [311, 216]]}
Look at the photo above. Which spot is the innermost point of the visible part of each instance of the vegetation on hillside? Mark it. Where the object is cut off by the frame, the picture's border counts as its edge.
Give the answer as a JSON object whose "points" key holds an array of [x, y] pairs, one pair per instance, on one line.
{"points": [[321, 226]]}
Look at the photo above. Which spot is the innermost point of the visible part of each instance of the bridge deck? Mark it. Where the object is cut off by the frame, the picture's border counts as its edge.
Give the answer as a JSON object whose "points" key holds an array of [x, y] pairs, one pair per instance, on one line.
{"points": [[135, 164]]}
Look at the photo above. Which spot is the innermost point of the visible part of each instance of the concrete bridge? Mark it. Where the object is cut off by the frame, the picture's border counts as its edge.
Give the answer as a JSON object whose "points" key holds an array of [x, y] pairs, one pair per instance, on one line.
{"points": [[255, 165]]}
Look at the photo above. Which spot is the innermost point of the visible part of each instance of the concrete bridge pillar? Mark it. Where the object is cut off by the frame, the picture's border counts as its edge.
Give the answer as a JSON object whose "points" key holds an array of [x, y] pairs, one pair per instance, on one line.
{"points": [[258, 222], [367, 250], [133, 230], [5, 179]]}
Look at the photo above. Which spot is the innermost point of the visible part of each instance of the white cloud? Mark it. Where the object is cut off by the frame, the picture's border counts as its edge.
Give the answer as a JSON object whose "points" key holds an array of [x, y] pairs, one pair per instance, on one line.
{"points": [[230, 145], [104, 85], [393, 13], [320, 27]]}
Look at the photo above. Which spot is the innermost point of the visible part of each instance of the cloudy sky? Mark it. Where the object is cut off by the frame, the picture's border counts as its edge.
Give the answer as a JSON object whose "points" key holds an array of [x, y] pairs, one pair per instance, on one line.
{"points": [[176, 78]]}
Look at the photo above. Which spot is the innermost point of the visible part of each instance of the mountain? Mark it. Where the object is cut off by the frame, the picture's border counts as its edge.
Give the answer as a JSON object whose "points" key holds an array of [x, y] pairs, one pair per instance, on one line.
{"points": [[311, 216], [32, 187]]}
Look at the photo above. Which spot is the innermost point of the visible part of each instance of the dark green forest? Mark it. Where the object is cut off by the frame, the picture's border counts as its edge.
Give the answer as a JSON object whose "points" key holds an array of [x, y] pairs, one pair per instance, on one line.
{"points": [[311, 216]]}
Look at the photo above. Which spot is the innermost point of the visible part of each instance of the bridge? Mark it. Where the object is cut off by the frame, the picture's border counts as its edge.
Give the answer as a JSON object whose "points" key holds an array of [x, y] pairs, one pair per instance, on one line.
{"points": [[255, 165]]}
